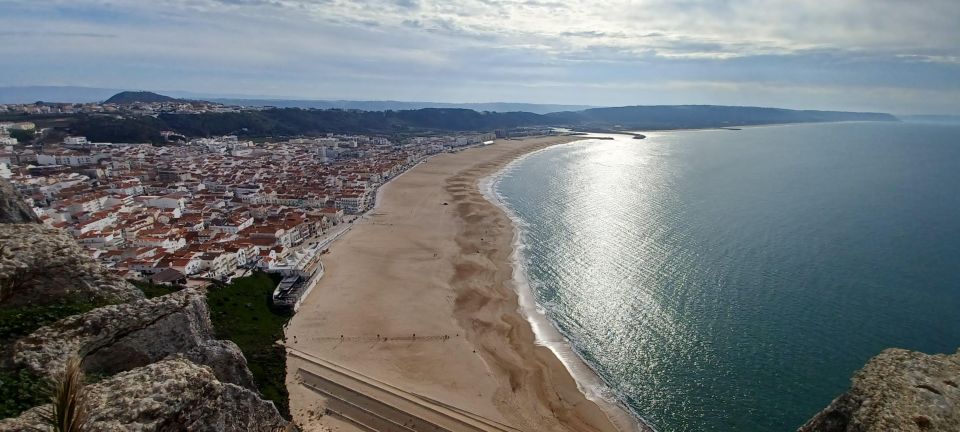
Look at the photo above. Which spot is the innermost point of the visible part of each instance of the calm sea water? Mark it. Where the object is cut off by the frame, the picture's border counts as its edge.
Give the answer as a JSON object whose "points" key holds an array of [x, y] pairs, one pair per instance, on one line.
{"points": [[734, 280]]}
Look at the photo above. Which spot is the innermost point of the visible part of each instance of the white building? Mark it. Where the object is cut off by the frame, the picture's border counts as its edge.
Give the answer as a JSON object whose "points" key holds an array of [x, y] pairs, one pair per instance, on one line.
{"points": [[231, 226], [96, 224], [172, 201], [75, 141], [70, 158], [102, 239], [218, 264]]}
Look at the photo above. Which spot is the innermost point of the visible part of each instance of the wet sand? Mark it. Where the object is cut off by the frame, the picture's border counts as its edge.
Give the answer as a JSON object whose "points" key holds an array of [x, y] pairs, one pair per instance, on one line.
{"points": [[419, 295]]}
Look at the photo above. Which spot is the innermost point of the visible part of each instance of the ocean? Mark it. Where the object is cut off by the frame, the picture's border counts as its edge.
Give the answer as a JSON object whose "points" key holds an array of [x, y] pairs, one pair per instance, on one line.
{"points": [[734, 280]]}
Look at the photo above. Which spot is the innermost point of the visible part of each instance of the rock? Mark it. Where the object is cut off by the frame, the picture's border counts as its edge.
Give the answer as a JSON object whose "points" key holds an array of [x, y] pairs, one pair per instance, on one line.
{"points": [[226, 360], [13, 209], [41, 265], [122, 337], [169, 373], [171, 395], [898, 390]]}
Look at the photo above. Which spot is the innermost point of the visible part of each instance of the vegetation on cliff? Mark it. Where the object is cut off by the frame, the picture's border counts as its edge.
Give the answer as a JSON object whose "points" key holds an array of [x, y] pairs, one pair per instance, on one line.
{"points": [[155, 361], [20, 390], [154, 290], [21, 321], [312, 122], [69, 411], [241, 312]]}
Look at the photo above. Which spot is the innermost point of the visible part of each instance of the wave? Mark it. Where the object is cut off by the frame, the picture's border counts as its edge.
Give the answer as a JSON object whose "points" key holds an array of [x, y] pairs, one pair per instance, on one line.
{"points": [[546, 331]]}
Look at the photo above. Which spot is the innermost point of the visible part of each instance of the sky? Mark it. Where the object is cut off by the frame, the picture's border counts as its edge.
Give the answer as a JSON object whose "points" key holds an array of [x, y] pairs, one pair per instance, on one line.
{"points": [[898, 56]]}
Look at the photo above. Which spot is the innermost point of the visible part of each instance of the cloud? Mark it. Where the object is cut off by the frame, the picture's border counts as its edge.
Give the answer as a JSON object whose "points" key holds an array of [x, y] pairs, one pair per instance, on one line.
{"points": [[52, 34], [478, 49], [408, 4]]}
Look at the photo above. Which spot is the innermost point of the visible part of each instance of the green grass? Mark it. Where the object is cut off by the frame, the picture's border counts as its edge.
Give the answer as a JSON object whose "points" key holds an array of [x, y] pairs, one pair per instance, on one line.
{"points": [[21, 390], [151, 290], [18, 322], [241, 312]]}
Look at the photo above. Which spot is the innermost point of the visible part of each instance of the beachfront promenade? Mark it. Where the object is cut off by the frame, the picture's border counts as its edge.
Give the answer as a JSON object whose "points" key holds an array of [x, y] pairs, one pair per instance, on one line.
{"points": [[374, 405]]}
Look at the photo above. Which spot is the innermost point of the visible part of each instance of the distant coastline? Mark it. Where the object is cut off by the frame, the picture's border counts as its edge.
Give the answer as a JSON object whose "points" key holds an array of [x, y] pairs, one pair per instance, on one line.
{"points": [[138, 117]]}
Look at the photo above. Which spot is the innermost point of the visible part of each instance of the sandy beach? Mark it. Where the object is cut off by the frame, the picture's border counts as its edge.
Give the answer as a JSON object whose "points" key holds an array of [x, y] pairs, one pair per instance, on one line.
{"points": [[419, 296]]}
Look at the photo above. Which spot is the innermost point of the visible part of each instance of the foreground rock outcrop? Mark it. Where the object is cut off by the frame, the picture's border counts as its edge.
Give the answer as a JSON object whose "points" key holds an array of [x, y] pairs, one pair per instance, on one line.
{"points": [[13, 209], [164, 369], [898, 390], [41, 265], [171, 395], [121, 337]]}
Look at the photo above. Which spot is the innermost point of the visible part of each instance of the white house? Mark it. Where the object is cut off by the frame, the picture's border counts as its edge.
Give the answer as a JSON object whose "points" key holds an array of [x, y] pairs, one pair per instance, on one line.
{"points": [[218, 264], [75, 141], [231, 225]]}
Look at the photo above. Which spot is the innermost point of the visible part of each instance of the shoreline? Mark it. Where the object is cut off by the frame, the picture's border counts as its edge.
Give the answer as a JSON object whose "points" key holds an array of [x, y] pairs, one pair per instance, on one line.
{"points": [[735, 128], [546, 331], [419, 294], [522, 301]]}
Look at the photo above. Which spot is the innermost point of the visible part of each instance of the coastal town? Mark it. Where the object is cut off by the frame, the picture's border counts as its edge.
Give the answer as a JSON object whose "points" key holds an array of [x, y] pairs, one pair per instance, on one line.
{"points": [[212, 209], [479, 216], [171, 106]]}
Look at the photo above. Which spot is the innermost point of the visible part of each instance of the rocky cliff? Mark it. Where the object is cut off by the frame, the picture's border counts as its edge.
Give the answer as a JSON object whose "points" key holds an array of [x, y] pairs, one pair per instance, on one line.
{"points": [[121, 337], [898, 390], [162, 367], [13, 209], [40, 265], [171, 395]]}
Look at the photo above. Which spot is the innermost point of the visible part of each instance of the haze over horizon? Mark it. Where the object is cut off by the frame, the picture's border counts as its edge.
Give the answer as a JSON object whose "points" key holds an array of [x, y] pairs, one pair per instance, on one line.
{"points": [[855, 55]]}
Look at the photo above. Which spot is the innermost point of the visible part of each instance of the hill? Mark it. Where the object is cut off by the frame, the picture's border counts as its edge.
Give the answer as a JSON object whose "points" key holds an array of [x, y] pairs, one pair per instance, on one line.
{"points": [[296, 121], [398, 105], [701, 116], [129, 97], [74, 94]]}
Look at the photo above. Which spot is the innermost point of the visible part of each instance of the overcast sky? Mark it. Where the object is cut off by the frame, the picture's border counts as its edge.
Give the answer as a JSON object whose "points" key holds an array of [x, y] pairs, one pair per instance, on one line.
{"points": [[893, 56]]}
